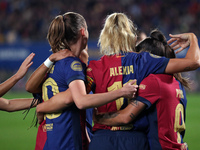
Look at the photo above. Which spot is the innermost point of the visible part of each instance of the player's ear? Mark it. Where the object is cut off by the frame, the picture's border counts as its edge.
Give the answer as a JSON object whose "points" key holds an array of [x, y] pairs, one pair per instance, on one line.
{"points": [[82, 31]]}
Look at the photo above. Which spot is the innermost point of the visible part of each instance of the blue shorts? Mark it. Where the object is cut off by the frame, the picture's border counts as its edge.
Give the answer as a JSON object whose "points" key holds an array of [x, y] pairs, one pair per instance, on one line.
{"points": [[119, 140]]}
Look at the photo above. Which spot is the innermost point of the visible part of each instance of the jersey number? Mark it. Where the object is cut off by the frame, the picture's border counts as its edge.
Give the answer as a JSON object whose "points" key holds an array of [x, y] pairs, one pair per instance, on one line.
{"points": [[117, 85], [50, 82], [179, 124]]}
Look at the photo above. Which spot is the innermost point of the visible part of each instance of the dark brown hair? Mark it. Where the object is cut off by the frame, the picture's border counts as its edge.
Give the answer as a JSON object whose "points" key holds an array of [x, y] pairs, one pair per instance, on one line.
{"points": [[157, 44], [64, 30]]}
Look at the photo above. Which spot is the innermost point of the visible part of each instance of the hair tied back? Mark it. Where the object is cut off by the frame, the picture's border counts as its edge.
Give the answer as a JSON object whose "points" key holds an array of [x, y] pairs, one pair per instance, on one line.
{"points": [[164, 42]]}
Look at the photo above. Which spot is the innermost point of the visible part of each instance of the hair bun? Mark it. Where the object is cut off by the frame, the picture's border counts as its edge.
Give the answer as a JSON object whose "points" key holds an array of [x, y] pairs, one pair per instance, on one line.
{"points": [[158, 35]]}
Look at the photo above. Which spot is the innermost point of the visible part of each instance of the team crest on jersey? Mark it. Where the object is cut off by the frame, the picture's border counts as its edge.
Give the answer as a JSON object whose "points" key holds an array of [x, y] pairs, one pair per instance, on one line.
{"points": [[89, 69], [76, 66], [142, 86], [154, 56]]}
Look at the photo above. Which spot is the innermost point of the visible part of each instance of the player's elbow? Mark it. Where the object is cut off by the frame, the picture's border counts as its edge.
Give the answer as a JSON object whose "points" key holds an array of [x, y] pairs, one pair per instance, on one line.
{"points": [[80, 106], [28, 88], [33, 88], [198, 63], [195, 64]]}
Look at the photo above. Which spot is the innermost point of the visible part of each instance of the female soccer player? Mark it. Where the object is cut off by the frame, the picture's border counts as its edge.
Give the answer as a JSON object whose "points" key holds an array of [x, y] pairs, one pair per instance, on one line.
{"points": [[64, 130], [162, 95], [56, 105]]}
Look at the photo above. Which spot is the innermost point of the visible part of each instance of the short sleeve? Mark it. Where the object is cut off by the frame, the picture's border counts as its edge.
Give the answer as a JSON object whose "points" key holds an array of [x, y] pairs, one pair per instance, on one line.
{"points": [[155, 64], [74, 69], [149, 91]]}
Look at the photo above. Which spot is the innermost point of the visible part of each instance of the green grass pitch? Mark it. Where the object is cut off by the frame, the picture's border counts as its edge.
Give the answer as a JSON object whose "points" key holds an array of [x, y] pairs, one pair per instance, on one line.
{"points": [[15, 135], [192, 135], [14, 131]]}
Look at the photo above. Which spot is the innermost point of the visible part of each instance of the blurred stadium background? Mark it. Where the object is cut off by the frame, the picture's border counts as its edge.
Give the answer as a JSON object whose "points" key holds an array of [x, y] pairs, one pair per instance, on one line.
{"points": [[23, 29]]}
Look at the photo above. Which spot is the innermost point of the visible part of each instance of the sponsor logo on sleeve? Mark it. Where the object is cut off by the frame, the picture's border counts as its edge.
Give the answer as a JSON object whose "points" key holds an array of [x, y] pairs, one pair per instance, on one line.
{"points": [[76, 66]]}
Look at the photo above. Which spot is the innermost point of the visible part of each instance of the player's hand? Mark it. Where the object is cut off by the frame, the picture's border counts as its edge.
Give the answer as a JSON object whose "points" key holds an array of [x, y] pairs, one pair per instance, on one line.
{"points": [[180, 41], [40, 117], [25, 66], [60, 55], [98, 117], [130, 89]]}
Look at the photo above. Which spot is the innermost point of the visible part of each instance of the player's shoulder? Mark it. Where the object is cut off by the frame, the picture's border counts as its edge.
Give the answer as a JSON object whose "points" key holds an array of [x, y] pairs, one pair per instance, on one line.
{"points": [[95, 63], [139, 56], [92, 62], [72, 62], [68, 61], [159, 76], [162, 77], [158, 79], [152, 79]]}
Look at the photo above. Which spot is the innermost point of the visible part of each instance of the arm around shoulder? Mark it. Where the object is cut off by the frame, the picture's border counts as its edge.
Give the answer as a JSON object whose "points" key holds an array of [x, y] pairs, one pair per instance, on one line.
{"points": [[84, 100], [122, 117], [192, 59]]}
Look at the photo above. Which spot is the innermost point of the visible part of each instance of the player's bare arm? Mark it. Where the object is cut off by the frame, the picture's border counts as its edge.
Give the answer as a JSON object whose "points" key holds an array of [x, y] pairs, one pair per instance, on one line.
{"points": [[15, 104], [84, 100], [134, 103], [56, 103], [192, 59], [121, 117]]}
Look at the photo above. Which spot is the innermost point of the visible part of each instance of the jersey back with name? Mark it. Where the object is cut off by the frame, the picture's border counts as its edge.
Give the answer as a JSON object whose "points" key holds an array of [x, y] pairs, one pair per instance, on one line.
{"points": [[112, 72], [63, 128], [166, 101]]}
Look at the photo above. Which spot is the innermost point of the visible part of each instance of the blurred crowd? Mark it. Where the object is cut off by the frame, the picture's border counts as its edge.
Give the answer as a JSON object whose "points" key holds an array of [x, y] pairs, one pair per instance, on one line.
{"points": [[28, 20]]}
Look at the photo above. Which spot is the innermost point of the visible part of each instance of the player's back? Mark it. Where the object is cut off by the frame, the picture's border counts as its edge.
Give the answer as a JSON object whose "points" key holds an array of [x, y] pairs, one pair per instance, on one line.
{"points": [[124, 67], [167, 114], [63, 128]]}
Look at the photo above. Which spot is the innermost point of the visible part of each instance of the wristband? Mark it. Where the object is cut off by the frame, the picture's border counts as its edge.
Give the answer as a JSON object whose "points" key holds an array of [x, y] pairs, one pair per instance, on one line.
{"points": [[48, 63]]}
